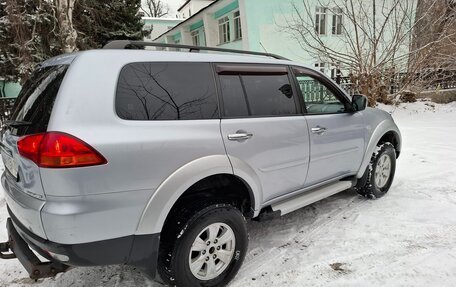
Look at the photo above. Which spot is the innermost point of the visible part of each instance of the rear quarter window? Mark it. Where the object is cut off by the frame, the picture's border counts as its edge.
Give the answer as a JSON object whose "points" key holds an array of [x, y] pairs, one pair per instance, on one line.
{"points": [[166, 91], [36, 99]]}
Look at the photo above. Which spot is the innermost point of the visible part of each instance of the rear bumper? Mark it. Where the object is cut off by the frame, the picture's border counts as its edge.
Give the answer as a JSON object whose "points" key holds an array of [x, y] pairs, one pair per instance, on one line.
{"points": [[137, 250], [28, 259], [26, 208]]}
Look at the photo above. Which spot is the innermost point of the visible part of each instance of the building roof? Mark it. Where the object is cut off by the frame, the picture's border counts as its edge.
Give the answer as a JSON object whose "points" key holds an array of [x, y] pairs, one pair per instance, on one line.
{"points": [[183, 5], [162, 19]]}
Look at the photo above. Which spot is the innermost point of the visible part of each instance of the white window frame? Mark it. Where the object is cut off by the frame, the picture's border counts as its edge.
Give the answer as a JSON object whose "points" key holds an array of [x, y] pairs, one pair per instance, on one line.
{"points": [[237, 25], [224, 30], [337, 21], [321, 20], [321, 66], [196, 41], [335, 70]]}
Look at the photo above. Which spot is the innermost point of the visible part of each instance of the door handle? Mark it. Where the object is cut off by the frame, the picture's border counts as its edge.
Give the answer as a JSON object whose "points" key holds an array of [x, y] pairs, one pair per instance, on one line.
{"points": [[318, 130], [240, 136]]}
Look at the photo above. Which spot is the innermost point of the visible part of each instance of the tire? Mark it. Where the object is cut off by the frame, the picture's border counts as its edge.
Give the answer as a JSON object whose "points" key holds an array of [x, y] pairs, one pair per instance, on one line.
{"points": [[214, 222], [377, 178]]}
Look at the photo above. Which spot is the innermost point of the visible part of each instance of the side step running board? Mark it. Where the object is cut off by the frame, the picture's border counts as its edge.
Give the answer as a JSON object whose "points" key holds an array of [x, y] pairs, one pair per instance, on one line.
{"points": [[310, 197]]}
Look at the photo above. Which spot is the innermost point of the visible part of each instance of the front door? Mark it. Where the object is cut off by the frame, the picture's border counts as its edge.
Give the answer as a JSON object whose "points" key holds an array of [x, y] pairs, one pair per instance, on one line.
{"points": [[263, 126], [336, 134]]}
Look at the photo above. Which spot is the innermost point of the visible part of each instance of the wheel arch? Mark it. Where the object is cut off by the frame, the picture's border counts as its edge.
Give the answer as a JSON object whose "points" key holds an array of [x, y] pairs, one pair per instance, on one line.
{"points": [[174, 187], [386, 131]]}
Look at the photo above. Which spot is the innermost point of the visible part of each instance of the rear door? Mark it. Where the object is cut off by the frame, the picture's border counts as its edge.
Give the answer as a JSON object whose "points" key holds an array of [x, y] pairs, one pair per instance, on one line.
{"points": [[336, 133], [21, 179], [262, 125]]}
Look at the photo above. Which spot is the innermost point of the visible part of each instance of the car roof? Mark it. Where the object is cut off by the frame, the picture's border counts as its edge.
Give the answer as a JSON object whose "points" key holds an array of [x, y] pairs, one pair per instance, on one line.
{"points": [[166, 56]]}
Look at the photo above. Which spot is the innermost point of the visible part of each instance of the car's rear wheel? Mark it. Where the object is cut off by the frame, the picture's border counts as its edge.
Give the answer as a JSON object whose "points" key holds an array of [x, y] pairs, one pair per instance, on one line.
{"points": [[379, 174], [208, 250]]}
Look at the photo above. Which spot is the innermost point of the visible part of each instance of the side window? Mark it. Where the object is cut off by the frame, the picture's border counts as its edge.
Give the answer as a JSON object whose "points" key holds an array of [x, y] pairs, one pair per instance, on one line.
{"points": [[265, 95], [269, 95], [166, 91], [317, 97], [234, 102]]}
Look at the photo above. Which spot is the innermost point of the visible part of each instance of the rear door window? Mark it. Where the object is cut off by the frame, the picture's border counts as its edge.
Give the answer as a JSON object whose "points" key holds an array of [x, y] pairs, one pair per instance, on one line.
{"points": [[36, 99], [166, 91], [256, 91], [234, 101], [269, 95]]}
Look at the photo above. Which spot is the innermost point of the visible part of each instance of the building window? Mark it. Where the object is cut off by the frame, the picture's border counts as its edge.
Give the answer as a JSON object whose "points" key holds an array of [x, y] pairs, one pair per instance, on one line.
{"points": [[335, 71], [320, 20], [337, 22], [237, 26], [195, 38], [320, 67], [224, 30]]}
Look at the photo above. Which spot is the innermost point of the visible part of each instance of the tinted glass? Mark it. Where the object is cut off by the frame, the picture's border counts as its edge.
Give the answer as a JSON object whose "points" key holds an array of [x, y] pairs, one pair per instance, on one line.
{"points": [[234, 104], [36, 99], [269, 95], [166, 91], [317, 97]]}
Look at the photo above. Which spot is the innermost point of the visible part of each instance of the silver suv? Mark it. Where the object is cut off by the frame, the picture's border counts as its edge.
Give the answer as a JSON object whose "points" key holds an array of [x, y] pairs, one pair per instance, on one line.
{"points": [[157, 158]]}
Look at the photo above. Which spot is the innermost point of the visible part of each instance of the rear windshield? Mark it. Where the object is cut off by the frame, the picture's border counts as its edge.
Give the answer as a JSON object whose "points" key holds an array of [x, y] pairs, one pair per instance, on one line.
{"points": [[36, 99]]}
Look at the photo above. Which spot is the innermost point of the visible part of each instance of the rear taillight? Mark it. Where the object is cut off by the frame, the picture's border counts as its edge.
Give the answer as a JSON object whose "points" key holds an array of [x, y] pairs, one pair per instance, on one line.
{"points": [[58, 150]]}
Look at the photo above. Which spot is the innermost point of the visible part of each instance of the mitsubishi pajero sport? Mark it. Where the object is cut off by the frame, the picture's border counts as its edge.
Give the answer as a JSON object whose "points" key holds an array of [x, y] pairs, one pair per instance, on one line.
{"points": [[157, 158]]}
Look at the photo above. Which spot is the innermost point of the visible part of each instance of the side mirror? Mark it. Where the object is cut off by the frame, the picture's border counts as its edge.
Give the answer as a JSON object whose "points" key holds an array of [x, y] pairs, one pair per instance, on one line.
{"points": [[359, 102]]}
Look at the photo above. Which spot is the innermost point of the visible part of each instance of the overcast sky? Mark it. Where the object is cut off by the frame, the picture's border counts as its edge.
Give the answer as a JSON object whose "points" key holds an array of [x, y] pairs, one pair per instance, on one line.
{"points": [[174, 5]]}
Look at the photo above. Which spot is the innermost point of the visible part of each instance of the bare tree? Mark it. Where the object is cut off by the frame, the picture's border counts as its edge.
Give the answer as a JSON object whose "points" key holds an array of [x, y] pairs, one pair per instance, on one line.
{"points": [[17, 53], [374, 44], [155, 8], [434, 39]]}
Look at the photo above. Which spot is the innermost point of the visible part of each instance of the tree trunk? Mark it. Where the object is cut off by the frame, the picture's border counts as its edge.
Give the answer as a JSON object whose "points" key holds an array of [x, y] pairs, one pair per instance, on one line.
{"points": [[3, 92], [67, 32]]}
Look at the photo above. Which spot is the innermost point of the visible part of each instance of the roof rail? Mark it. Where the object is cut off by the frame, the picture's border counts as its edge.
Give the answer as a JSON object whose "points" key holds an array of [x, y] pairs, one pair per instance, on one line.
{"points": [[128, 44]]}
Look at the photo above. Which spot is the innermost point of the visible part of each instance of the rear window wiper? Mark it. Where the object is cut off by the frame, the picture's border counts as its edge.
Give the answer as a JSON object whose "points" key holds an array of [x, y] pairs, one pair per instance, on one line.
{"points": [[16, 124]]}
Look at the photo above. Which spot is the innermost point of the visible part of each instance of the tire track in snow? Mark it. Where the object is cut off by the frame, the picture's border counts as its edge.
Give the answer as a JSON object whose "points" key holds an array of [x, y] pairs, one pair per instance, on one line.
{"points": [[258, 257]]}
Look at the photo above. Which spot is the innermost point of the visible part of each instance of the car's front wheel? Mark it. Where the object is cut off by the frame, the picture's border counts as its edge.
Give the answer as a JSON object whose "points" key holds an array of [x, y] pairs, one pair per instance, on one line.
{"points": [[379, 174], [209, 248]]}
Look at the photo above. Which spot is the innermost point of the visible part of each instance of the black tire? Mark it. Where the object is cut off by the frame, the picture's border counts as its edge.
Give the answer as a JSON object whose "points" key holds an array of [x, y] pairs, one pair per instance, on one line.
{"points": [[174, 266], [367, 185]]}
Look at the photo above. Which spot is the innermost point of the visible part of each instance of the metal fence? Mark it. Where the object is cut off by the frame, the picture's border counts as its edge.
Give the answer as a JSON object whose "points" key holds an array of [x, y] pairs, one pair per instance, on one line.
{"points": [[313, 91], [430, 80]]}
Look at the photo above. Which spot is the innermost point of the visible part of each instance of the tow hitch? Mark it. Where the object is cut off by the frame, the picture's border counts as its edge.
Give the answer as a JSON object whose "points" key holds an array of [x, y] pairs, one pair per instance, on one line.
{"points": [[5, 247], [16, 247]]}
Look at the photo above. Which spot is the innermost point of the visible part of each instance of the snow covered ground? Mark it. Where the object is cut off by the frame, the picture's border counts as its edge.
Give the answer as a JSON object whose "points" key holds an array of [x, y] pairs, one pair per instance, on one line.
{"points": [[407, 238]]}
